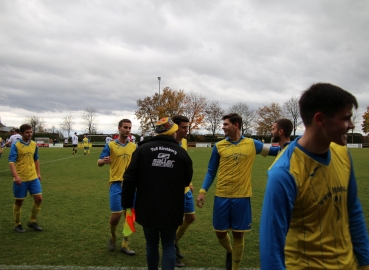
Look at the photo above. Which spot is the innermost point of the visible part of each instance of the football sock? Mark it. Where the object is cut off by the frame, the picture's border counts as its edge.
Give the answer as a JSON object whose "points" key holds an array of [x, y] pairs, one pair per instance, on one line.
{"points": [[36, 207], [112, 231], [17, 214], [226, 243], [238, 245], [88, 152], [125, 241], [181, 230]]}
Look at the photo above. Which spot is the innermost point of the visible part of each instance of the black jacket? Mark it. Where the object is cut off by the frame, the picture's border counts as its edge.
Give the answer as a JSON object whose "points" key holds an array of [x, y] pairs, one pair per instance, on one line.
{"points": [[160, 170]]}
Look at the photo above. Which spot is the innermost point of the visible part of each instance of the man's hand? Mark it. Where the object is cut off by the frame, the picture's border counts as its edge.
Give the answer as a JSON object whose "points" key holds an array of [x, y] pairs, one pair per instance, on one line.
{"points": [[17, 180], [107, 160], [200, 200]]}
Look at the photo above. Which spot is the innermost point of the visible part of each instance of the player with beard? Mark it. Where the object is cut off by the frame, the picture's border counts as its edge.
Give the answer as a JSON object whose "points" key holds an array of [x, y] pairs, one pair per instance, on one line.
{"points": [[281, 132], [234, 157], [118, 154], [25, 167], [189, 209]]}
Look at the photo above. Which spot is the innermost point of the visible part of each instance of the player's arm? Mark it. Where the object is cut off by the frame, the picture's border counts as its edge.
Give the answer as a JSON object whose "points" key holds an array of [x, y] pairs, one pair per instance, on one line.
{"points": [[129, 183], [13, 156], [358, 231], [104, 156], [266, 150], [209, 177], [37, 163], [278, 203]]}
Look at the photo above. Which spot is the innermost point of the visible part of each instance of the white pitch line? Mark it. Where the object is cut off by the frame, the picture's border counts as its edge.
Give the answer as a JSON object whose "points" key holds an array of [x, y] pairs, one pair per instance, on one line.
{"points": [[71, 267], [46, 162]]}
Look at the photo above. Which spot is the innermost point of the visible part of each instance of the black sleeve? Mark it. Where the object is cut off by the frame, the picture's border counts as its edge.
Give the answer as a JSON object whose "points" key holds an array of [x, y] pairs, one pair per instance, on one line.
{"points": [[188, 171], [129, 183]]}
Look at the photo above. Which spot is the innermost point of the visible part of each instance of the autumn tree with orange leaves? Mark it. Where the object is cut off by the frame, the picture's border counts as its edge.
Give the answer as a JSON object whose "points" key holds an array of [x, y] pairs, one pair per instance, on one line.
{"points": [[194, 110], [151, 109], [266, 116], [365, 124]]}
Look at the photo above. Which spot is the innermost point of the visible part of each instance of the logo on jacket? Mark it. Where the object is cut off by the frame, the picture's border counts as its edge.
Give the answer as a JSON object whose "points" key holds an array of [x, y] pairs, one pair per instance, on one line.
{"points": [[163, 161]]}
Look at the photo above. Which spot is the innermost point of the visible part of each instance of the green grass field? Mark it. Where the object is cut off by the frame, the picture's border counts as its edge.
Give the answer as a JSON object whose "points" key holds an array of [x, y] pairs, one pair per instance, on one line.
{"points": [[75, 214]]}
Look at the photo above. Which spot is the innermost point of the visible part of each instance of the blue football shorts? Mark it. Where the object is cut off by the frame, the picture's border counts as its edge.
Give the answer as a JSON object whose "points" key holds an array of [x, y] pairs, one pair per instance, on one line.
{"points": [[34, 188], [189, 206], [232, 213], [115, 192]]}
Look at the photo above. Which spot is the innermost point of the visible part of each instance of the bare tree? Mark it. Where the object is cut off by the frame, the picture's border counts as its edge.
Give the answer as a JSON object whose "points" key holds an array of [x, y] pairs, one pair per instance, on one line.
{"points": [[292, 111], [67, 124], [213, 117], [355, 120], [248, 116], [194, 109], [37, 123], [267, 115], [89, 119]]}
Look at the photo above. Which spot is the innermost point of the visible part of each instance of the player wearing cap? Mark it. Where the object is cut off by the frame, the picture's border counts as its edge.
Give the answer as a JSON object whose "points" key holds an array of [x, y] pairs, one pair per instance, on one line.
{"points": [[118, 154], [160, 170]]}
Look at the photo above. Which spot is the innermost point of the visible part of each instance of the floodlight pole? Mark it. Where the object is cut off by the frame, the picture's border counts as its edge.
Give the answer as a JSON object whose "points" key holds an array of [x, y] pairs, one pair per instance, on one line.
{"points": [[159, 78]]}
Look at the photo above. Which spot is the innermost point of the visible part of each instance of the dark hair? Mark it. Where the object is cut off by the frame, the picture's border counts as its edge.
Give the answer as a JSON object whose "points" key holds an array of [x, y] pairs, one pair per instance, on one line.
{"points": [[23, 128], [16, 130], [178, 119], [326, 98], [123, 121], [233, 118], [286, 125]]}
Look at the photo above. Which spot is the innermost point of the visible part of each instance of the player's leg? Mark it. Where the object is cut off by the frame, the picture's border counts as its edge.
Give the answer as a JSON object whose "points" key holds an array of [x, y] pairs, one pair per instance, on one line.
{"points": [[189, 217], [36, 191], [125, 243], [221, 223], [84, 150], [152, 236], [167, 236], [88, 150], [241, 222], [116, 212], [20, 192]]}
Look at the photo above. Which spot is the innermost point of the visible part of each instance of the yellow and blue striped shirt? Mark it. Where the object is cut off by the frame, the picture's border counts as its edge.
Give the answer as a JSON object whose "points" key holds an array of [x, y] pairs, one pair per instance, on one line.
{"points": [[311, 216], [24, 155], [234, 160], [120, 155]]}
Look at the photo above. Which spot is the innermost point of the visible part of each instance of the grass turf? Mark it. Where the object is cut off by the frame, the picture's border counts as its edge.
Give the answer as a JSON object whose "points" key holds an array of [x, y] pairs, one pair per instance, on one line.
{"points": [[75, 214]]}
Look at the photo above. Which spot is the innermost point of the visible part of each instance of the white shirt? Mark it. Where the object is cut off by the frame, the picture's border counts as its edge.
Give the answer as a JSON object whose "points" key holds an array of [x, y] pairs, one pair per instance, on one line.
{"points": [[141, 138], [66, 140], [74, 139], [133, 139], [14, 138], [108, 139]]}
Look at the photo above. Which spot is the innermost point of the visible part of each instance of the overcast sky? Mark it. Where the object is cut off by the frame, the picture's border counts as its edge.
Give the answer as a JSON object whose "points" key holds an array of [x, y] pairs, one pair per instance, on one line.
{"points": [[60, 57]]}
